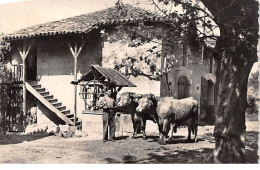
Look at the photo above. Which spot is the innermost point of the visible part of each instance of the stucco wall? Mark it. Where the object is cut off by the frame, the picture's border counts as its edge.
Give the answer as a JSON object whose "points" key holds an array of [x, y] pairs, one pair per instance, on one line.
{"points": [[193, 71], [144, 86], [55, 67]]}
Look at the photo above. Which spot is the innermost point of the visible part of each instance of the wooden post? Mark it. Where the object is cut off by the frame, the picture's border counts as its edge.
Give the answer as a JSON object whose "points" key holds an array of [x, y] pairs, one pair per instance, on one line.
{"points": [[24, 93], [24, 53], [75, 53], [75, 89]]}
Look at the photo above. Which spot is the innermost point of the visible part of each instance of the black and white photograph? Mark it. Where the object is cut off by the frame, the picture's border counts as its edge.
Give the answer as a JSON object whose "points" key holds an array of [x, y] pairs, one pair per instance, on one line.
{"points": [[129, 82]]}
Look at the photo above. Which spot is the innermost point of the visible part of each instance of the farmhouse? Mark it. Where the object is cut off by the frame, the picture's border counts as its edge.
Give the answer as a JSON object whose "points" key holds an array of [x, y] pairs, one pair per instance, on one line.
{"points": [[45, 59]]}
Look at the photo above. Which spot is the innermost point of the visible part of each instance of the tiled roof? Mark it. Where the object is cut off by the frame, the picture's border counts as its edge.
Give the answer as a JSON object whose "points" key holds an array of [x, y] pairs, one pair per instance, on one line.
{"points": [[86, 23], [111, 75]]}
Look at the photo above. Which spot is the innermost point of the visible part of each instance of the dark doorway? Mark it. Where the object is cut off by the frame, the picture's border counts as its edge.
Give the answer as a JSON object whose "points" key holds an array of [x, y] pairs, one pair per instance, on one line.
{"points": [[207, 101], [31, 64], [183, 87]]}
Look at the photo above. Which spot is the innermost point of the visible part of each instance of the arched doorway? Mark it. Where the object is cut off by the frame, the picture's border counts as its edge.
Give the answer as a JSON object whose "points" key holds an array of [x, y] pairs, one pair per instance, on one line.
{"points": [[183, 87], [207, 100]]}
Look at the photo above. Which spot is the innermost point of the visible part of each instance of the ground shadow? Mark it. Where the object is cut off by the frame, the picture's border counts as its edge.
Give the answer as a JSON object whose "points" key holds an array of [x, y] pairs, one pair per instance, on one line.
{"points": [[121, 137], [175, 140], [166, 155], [18, 138]]}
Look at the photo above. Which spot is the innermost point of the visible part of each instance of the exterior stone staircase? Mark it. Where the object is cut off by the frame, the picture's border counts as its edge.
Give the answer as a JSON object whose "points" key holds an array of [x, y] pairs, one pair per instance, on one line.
{"points": [[51, 103]]}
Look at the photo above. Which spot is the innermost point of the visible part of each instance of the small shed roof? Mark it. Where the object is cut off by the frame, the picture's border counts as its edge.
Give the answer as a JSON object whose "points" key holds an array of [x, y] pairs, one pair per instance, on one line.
{"points": [[86, 23], [107, 74]]}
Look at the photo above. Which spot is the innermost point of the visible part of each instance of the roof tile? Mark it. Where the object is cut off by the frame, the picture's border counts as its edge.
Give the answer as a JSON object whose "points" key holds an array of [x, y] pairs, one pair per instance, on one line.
{"points": [[84, 22]]}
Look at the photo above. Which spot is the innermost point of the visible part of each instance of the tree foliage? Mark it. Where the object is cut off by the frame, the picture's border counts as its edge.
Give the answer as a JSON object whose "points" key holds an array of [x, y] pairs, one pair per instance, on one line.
{"points": [[4, 49], [10, 94]]}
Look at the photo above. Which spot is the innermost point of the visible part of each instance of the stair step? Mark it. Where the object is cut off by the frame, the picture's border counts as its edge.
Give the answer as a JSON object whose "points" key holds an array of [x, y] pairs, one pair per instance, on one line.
{"points": [[78, 123], [36, 86], [65, 111], [48, 97], [60, 108], [69, 115], [40, 89], [32, 82], [44, 93], [72, 119], [56, 104], [53, 100]]}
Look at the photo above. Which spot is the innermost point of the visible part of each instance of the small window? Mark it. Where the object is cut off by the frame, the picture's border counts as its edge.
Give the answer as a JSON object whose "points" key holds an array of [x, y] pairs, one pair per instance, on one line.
{"points": [[184, 56], [211, 65], [184, 50]]}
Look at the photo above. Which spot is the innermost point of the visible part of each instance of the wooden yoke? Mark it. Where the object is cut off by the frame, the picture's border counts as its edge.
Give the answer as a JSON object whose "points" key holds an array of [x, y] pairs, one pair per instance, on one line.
{"points": [[75, 53], [24, 51]]}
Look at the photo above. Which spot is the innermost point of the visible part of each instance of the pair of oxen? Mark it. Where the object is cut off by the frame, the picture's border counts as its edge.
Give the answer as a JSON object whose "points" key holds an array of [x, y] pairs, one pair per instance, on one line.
{"points": [[165, 111]]}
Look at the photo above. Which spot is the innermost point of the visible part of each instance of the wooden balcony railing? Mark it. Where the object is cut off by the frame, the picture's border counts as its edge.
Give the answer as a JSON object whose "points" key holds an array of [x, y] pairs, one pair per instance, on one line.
{"points": [[17, 73]]}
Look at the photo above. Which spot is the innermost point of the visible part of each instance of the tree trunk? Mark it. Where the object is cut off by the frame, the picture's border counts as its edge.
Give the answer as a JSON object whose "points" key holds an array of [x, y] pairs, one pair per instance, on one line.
{"points": [[231, 104], [236, 55]]}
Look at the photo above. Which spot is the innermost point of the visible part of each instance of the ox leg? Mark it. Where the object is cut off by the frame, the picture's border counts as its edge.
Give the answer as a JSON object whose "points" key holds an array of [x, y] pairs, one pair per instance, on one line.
{"points": [[173, 129], [195, 122], [169, 129], [143, 128], [189, 125], [195, 125], [163, 134], [189, 134], [134, 127], [160, 127]]}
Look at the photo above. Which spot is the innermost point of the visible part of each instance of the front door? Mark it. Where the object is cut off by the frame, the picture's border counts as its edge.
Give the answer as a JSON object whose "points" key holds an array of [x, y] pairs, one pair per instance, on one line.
{"points": [[207, 100], [183, 87]]}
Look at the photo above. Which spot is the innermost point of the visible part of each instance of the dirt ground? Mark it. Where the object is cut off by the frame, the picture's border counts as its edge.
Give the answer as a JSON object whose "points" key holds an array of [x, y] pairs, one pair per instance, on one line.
{"points": [[31, 149]]}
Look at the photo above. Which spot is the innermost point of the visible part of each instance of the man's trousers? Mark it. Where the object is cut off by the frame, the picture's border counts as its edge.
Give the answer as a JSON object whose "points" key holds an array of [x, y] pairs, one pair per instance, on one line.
{"points": [[108, 121]]}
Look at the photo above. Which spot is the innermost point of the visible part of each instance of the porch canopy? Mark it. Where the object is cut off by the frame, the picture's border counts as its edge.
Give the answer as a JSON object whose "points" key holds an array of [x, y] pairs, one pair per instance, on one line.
{"points": [[106, 76]]}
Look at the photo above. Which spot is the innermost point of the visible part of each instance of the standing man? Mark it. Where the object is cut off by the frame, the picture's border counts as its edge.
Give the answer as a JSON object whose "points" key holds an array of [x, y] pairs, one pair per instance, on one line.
{"points": [[108, 104]]}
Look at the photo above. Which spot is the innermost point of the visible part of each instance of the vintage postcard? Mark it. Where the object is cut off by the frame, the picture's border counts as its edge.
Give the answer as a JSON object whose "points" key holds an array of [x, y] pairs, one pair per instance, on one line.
{"points": [[129, 81]]}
